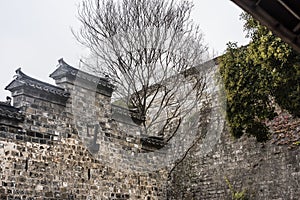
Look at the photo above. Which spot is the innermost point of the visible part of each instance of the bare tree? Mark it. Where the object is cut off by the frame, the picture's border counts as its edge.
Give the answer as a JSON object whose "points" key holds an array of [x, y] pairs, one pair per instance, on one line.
{"points": [[150, 50]]}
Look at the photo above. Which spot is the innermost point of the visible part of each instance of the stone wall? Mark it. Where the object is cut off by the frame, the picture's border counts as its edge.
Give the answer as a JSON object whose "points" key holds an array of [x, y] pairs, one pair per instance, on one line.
{"points": [[268, 170], [45, 152], [62, 142], [66, 170]]}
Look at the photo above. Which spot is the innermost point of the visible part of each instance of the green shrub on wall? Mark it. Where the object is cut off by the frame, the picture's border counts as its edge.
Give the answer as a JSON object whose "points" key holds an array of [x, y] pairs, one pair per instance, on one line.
{"points": [[265, 69], [236, 195]]}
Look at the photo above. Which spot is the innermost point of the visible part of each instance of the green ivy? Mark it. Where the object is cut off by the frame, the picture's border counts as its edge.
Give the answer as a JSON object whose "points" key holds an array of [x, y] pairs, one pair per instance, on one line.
{"points": [[236, 195], [266, 69]]}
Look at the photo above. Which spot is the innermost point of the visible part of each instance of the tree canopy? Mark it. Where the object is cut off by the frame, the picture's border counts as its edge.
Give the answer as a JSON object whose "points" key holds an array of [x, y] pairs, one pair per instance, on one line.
{"points": [[146, 47], [256, 76]]}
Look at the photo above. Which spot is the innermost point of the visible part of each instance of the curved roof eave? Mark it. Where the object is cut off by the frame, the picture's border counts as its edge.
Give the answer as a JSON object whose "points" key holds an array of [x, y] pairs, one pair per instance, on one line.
{"points": [[280, 16]]}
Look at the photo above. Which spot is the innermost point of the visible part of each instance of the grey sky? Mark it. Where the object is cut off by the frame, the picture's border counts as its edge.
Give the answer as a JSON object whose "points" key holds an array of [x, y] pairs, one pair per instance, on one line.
{"points": [[36, 33]]}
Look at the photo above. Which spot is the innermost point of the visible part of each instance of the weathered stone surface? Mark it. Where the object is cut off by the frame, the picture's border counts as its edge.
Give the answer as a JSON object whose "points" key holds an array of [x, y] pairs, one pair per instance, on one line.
{"points": [[46, 154], [262, 170], [43, 157]]}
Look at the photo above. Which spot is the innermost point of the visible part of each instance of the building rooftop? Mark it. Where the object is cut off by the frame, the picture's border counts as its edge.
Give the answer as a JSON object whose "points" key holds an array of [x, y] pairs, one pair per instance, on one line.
{"points": [[25, 80], [280, 16], [9, 112], [65, 70]]}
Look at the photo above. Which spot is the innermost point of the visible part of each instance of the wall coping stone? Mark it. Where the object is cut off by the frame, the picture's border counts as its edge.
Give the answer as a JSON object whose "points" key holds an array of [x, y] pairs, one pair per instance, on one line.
{"points": [[10, 112], [22, 80], [68, 74]]}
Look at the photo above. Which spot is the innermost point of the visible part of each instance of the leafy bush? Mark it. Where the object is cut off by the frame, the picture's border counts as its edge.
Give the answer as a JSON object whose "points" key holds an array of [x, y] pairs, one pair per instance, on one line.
{"points": [[254, 74]]}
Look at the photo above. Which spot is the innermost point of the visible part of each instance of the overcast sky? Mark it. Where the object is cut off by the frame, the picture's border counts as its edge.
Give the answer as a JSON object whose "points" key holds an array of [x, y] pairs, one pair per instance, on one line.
{"points": [[34, 34]]}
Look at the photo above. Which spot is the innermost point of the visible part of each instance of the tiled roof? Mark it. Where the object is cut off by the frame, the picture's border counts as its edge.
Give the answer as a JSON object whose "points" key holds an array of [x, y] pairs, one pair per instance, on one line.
{"points": [[65, 70], [153, 141], [281, 16], [9, 112], [24, 80]]}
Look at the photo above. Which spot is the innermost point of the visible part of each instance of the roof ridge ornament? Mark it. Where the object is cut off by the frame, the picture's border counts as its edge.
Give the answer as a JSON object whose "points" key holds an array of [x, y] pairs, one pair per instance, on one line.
{"points": [[22, 79], [19, 74], [62, 62]]}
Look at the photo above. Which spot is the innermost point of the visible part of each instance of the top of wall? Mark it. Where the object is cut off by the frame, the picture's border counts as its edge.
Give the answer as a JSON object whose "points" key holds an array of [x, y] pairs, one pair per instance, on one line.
{"points": [[66, 74], [23, 80], [65, 77], [9, 112]]}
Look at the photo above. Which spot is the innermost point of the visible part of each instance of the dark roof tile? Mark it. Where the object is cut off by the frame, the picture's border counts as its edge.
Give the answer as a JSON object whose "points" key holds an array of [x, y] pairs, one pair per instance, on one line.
{"points": [[9, 112], [25, 80]]}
